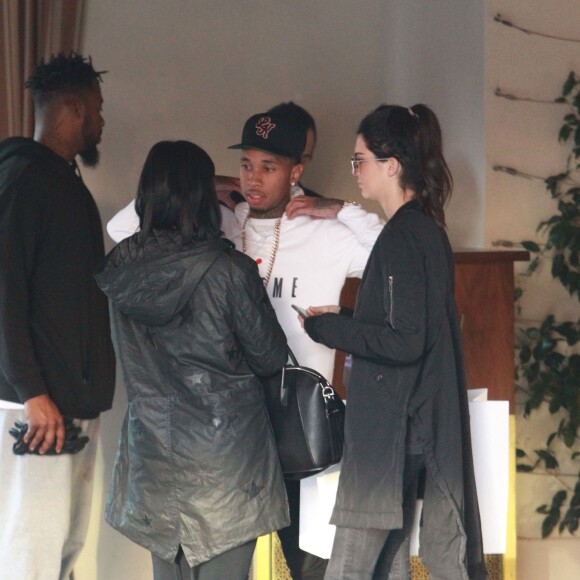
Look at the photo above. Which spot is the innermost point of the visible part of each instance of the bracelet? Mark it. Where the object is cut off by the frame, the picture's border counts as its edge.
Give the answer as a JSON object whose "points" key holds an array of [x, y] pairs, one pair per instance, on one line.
{"points": [[347, 203]]}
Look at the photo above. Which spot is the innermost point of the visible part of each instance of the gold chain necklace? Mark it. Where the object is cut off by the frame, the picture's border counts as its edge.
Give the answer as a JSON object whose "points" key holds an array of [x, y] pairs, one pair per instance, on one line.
{"points": [[273, 253]]}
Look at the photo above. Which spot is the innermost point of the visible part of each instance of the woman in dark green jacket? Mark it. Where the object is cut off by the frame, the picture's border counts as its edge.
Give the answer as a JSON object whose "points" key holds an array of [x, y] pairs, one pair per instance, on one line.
{"points": [[407, 411], [197, 476]]}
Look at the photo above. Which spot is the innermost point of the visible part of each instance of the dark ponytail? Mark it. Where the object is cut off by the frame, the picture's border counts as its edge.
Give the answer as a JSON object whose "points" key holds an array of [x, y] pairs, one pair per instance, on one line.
{"points": [[413, 137]]}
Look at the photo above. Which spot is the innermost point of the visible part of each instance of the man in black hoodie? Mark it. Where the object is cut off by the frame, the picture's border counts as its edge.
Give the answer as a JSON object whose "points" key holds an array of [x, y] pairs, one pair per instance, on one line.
{"points": [[56, 357]]}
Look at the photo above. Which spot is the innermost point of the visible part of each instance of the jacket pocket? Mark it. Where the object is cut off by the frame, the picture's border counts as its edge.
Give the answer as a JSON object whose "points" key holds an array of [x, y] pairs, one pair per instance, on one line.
{"points": [[403, 301], [389, 300]]}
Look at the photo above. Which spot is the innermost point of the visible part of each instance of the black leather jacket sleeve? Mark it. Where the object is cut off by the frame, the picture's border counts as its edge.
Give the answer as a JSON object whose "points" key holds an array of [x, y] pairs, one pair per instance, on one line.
{"points": [[256, 326], [390, 323]]}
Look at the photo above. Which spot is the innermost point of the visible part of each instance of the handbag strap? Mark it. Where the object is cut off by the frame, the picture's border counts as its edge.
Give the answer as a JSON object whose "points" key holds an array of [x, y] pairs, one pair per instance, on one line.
{"points": [[292, 358], [327, 391]]}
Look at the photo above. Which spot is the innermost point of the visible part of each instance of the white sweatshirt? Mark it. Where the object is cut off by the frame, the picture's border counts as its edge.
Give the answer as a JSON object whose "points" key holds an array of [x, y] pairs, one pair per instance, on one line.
{"points": [[314, 258], [126, 222]]}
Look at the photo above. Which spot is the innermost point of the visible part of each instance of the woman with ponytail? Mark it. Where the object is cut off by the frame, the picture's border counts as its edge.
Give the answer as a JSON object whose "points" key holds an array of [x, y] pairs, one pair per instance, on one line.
{"points": [[407, 416]]}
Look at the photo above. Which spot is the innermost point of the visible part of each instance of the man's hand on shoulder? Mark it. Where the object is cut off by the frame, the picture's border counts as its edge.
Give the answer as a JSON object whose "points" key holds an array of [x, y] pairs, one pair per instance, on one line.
{"points": [[45, 424], [315, 207], [225, 186]]}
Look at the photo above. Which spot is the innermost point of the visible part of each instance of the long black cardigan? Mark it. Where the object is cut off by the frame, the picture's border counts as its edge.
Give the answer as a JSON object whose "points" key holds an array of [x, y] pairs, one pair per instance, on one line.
{"points": [[408, 363]]}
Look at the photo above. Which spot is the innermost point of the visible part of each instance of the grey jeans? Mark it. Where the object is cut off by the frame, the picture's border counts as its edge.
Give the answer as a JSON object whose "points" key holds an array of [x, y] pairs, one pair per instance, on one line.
{"points": [[233, 565], [370, 554]]}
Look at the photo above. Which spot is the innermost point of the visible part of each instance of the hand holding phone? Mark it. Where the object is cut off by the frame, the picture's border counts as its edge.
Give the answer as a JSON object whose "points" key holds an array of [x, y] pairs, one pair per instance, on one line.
{"points": [[300, 311]]}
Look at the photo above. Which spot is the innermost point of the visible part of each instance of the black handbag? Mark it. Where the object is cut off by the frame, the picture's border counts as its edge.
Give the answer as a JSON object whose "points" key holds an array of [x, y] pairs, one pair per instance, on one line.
{"points": [[307, 418]]}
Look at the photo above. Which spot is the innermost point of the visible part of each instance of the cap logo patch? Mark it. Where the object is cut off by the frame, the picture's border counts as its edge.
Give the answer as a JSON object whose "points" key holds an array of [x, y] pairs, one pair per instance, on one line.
{"points": [[264, 126]]}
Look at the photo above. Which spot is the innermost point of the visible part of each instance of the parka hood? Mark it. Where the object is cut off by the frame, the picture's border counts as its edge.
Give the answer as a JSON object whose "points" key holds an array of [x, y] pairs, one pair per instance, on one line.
{"points": [[153, 282]]}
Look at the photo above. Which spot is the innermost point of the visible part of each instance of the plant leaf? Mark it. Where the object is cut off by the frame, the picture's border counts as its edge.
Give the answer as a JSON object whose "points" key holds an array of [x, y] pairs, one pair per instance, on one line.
{"points": [[569, 84], [524, 468], [549, 524], [531, 246]]}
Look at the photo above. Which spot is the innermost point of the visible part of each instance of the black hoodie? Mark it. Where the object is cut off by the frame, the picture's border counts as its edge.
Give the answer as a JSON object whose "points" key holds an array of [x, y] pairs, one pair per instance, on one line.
{"points": [[54, 322]]}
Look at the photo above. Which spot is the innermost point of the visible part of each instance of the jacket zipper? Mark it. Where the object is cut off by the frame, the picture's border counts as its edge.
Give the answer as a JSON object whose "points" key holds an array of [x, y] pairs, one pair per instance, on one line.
{"points": [[391, 306]]}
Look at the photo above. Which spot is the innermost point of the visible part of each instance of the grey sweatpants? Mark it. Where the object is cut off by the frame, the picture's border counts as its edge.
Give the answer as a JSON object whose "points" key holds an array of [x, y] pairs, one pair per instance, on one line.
{"points": [[44, 506]]}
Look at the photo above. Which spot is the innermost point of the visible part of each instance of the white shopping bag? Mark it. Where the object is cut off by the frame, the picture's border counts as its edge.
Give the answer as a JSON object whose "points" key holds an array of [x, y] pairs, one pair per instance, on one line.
{"points": [[317, 497], [490, 433], [490, 445]]}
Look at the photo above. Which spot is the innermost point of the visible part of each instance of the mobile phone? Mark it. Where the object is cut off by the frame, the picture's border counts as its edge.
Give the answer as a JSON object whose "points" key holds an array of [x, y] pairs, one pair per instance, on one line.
{"points": [[236, 196], [300, 311]]}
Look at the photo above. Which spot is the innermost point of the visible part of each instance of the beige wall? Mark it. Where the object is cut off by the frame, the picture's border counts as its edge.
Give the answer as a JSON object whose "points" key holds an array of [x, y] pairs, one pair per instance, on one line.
{"points": [[196, 70], [524, 136], [435, 55]]}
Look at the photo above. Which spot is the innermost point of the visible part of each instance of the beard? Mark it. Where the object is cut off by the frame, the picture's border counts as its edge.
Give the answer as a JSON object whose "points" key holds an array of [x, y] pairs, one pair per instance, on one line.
{"points": [[90, 155]]}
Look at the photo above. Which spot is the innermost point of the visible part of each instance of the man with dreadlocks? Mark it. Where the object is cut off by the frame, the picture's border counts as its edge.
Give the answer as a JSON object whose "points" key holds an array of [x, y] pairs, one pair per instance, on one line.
{"points": [[57, 368]]}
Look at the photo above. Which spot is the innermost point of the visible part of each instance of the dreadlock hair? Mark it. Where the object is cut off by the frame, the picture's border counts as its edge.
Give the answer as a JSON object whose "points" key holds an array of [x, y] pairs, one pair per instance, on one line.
{"points": [[62, 76], [295, 114], [413, 137], [176, 192]]}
